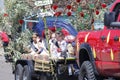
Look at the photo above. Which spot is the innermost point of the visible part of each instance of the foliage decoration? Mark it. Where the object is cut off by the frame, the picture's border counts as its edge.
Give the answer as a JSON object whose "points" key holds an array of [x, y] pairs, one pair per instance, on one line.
{"points": [[84, 11], [16, 10]]}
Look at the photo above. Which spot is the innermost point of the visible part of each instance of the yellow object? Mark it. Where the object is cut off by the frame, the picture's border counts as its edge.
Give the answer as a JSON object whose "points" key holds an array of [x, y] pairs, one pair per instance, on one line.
{"points": [[94, 52], [70, 49], [86, 37], [108, 37], [112, 55], [77, 43]]}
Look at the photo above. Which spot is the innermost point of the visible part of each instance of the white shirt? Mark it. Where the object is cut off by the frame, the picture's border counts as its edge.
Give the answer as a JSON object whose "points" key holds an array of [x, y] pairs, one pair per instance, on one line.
{"points": [[32, 50], [53, 49], [39, 46], [63, 45]]}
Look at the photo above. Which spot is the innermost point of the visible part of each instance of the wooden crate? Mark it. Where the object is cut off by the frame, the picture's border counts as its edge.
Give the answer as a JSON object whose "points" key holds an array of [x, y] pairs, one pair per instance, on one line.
{"points": [[42, 62], [42, 65]]}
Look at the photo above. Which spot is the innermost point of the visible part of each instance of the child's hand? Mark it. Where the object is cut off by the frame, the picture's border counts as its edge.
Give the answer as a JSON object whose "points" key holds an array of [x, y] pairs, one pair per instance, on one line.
{"points": [[40, 50], [59, 50]]}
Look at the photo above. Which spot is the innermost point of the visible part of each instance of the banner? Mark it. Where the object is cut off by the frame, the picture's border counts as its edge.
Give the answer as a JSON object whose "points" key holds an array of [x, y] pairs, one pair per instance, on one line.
{"points": [[43, 2]]}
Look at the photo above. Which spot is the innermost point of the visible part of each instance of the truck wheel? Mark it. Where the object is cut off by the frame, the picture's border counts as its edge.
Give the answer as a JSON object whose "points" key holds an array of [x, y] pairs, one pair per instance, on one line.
{"points": [[26, 73], [86, 71], [18, 72]]}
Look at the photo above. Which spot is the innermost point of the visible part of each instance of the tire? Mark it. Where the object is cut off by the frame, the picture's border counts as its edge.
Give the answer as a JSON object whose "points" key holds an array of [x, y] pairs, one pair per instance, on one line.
{"points": [[86, 71], [26, 73], [18, 72]]}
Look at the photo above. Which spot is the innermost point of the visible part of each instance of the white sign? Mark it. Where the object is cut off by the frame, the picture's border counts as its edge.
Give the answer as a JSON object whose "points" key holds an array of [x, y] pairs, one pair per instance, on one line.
{"points": [[43, 2], [47, 13]]}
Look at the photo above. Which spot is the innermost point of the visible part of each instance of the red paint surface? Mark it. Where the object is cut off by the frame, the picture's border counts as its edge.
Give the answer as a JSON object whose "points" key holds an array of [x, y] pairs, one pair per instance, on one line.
{"points": [[104, 63]]}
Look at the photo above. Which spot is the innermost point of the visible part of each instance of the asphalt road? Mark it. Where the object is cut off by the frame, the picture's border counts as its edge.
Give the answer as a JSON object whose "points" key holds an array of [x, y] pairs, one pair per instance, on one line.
{"points": [[5, 70]]}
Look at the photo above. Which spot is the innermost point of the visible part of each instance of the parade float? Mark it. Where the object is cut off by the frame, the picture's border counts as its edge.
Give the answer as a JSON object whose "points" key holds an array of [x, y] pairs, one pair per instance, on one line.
{"points": [[81, 16]]}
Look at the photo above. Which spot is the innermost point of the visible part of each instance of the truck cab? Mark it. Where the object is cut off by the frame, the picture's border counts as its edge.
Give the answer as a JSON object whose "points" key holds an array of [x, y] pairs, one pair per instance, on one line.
{"points": [[98, 51]]}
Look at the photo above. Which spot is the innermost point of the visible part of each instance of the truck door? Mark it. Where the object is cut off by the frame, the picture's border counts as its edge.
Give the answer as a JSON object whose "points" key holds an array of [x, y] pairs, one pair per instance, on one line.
{"points": [[109, 51]]}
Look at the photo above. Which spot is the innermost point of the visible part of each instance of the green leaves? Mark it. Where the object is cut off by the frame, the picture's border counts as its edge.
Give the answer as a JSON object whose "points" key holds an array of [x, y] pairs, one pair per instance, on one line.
{"points": [[59, 29], [86, 16], [81, 26], [91, 6], [79, 9]]}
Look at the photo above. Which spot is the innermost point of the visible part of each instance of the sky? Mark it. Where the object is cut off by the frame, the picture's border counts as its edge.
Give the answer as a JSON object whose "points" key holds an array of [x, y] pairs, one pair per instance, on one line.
{"points": [[1, 5]]}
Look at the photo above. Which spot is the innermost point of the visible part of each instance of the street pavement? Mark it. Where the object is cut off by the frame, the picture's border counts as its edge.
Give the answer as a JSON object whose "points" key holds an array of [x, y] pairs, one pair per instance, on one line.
{"points": [[5, 69]]}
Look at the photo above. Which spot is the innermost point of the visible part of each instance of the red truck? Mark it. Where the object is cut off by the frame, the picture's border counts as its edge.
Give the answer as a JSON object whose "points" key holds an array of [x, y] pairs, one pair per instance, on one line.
{"points": [[98, 51]]}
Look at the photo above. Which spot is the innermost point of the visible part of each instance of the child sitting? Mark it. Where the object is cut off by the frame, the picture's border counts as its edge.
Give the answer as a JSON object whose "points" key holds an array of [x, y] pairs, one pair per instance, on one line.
{"points": [[37, 47], [53, 46], [62, 45], [70, 39]]}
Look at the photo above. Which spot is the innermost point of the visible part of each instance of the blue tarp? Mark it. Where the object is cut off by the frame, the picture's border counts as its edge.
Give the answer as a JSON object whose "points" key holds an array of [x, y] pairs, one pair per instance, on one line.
{"points": [[51, 21]]}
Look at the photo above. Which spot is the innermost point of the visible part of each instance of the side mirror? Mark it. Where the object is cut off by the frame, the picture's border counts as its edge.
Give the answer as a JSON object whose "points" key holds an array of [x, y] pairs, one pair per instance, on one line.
{"points": [[109, 17], [115, 24]]}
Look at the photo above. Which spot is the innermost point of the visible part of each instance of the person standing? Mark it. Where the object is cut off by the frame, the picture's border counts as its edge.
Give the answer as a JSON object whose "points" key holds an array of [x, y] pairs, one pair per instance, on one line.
{"points": [[4, 38], [4, 43]]}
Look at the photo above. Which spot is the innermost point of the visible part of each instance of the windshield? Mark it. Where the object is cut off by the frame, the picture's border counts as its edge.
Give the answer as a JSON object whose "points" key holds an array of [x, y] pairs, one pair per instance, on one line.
{"points": [[98, 25]]}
